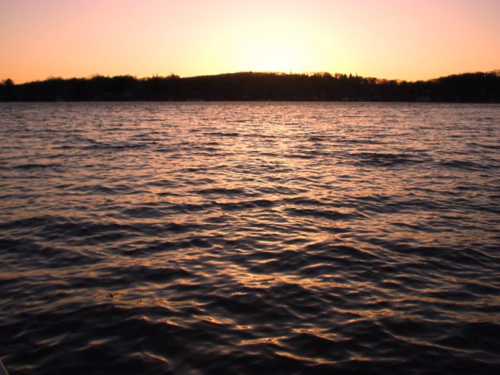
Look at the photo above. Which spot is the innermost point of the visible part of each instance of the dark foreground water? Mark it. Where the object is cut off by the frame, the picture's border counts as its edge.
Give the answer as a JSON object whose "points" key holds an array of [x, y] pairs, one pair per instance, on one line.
{"points": [[255, 238]]}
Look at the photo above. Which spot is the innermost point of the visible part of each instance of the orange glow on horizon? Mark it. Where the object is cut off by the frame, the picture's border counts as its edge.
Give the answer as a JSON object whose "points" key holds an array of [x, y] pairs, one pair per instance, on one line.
{"points": [[385, 38]]}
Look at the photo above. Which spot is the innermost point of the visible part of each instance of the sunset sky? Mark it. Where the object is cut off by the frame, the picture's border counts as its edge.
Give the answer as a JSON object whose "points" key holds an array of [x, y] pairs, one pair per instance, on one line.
{"points": [[394, 39]]}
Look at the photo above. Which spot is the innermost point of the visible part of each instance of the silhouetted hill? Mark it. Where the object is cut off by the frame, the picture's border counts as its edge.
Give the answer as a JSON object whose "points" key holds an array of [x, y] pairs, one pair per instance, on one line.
{"points": [[469, 87]]}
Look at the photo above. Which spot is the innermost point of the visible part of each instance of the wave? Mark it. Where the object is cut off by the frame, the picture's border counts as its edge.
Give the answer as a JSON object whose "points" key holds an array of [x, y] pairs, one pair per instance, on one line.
{"points": [[303, 238]]}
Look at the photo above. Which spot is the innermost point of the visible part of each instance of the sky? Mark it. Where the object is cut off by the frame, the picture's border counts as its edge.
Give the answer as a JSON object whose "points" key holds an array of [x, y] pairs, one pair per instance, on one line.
{"points": [[392, 39]]}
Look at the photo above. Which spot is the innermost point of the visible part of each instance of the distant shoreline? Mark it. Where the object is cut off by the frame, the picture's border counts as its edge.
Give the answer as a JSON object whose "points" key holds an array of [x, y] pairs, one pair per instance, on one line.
{"points": [[258, 87]]}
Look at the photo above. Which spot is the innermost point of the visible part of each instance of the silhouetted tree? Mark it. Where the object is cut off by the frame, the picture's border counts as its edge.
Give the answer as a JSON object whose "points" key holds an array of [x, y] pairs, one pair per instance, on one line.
{"points": [[470, 87], [7, 90]]}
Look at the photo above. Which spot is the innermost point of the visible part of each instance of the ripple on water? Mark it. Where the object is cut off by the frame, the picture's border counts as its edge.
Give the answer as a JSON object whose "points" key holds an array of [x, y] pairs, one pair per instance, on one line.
{"points": [[255, 238]]}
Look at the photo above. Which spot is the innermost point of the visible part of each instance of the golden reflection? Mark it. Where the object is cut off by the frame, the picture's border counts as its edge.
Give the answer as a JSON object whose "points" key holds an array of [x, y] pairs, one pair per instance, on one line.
{"points": [[305, 359], [360, 359], [421, 343], [317, 333], [218, 321], [156, 357], [173, 322], [253, 280], [265, 340]]}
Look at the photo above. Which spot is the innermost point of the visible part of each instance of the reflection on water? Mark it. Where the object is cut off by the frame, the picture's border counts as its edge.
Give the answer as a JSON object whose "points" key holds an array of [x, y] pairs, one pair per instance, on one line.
{"points": [[231, 238]]}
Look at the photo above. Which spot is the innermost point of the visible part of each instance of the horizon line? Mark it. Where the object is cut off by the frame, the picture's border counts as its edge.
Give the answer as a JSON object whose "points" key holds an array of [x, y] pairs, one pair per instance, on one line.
{"points": [[290, 73]]}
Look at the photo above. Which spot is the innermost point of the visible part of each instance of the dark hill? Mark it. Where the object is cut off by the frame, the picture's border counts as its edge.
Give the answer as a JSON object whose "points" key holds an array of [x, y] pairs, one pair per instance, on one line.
{"points": [[469, 87]]}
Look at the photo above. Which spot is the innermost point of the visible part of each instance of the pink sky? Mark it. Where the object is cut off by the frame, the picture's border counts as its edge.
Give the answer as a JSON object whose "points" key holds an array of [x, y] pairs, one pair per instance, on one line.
{"points": [[392, 39]]}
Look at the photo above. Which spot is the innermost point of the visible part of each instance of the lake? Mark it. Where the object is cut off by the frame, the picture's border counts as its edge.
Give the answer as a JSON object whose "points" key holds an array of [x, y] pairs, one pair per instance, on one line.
{"points": [[249, 238]]}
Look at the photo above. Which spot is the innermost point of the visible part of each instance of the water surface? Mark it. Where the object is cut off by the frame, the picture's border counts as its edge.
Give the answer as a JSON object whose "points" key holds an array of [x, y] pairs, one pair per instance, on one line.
{"points": [[249, 238]]}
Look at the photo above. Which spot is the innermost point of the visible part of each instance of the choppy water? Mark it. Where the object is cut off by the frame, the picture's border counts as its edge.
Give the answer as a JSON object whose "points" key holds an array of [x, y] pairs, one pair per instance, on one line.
{"points": [[262, 238]]}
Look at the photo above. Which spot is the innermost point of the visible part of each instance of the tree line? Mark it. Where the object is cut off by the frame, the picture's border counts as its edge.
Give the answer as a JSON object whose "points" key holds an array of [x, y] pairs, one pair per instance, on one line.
{"points": [[250, 86]]}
